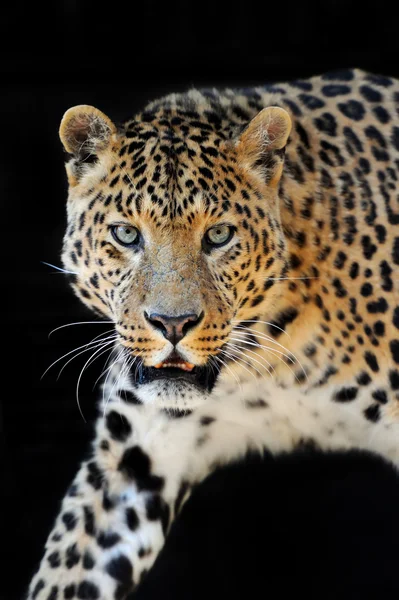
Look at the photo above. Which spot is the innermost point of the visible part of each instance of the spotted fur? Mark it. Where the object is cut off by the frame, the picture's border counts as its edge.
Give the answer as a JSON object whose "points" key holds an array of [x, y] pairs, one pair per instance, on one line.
{"points": [[300, 305]]}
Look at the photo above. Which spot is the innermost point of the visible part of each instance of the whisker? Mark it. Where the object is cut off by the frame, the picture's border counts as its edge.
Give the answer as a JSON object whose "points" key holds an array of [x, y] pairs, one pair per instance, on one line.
{"points": [[231, 371], [105, 366], [105, 384], [104, 351], [245, 341], [275, 353], [249, 331], [88, 346], [59, 268], [289, 356], [80, 377], [240, 361], [78, 323], [92, 347], [244, 351], [264, 322], [117, 380]]}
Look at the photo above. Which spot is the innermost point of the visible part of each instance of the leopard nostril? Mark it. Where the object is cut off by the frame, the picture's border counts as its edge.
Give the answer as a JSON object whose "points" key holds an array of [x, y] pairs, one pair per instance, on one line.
{"points": [[174, 328]]}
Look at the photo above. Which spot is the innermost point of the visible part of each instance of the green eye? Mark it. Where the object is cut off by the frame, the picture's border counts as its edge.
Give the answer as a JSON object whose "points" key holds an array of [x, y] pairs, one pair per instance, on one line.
{"points": [[219, 235], [127, 235]]}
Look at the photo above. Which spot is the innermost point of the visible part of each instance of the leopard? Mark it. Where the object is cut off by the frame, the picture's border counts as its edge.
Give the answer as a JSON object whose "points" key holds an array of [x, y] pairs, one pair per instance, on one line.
{"points": [[243, 243]]}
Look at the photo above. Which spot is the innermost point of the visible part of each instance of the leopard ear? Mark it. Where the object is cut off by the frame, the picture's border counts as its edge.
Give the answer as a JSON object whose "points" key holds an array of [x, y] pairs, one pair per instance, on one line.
{"points": [[261, 145], [85, 129]]}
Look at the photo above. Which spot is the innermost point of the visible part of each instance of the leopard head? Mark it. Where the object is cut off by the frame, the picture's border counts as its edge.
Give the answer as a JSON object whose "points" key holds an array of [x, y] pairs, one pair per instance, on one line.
{"points": [[174, 234]]}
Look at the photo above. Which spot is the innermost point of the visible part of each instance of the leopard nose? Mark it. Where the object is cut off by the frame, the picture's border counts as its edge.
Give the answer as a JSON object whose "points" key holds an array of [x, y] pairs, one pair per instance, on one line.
{"points": [[174, 328]]}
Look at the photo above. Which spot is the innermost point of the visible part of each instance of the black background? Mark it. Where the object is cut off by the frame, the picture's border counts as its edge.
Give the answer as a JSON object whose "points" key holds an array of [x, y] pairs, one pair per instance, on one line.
{"points": [[68, 52]]}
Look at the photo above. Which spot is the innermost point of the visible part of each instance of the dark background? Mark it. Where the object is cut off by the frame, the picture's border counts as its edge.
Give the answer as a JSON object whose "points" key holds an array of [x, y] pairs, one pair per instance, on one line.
{"points": [[69, 52]]}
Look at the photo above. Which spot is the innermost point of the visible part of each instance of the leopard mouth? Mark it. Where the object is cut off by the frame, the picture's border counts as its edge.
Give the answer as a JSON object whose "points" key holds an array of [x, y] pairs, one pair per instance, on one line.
{"points": [[176, 369]]}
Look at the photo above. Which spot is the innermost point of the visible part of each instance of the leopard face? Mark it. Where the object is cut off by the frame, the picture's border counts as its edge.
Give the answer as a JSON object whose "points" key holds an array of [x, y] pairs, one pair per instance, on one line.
{"points": [[174, 234]]}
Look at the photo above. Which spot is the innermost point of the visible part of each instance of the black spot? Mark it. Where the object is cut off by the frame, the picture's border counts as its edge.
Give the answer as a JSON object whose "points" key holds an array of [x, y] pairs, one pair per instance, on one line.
{"points": [[340, 291], [104, 445], [371, 360], [157, 509], [381, 233], [303, 136], [366, 290], [369, 248], [395, 318], [352, 109], [311, 102], [107, 539], [293, 106], [394, 379], [118, 426], [132, 519], [53, 595], [94, 281], [72, 556], [129, 397], [353, 140], [69, 591], [382, 114], [136, 465], [373, 134], [69, 520], [381, 80], [327, 124], [372, 413], [205, 420], [395, 137], [284, 318], [206, 172], [88, 591], [73, 490], [370, 93], [379, 328], [257, 300], [88, 561], [302, 85], [340, 260], [89, 520], [354, 270], [257, 403], [363, 378], [95, 476], [380, 396], [378, 306], [54, 560], [394, 347], [333, 90], [38, 588], [346, 394], [121, 569], [395, 251]]}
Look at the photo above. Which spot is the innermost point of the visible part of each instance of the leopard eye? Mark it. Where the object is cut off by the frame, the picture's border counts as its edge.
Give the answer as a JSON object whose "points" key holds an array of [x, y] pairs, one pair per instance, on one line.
{"points": [[219, 235], [127, 235]]}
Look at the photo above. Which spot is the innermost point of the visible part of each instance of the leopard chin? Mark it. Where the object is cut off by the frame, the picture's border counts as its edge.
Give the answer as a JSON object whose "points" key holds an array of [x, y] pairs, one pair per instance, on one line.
{"points": [[174, 387]]}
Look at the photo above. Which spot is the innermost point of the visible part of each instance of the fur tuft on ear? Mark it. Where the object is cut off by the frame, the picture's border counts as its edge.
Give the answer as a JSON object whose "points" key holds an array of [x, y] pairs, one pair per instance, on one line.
{"points": [[84, 130], [262, 143]]}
